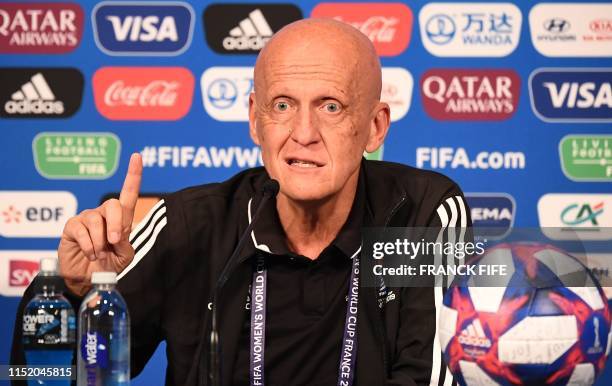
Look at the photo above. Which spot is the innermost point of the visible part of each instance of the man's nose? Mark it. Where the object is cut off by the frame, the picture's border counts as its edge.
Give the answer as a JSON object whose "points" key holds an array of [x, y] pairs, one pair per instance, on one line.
{"points": [[305, 127]]}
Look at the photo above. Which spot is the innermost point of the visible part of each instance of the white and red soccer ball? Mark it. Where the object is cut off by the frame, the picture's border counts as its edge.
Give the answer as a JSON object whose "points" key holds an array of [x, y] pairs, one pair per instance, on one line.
{"points": [[533, 329]]}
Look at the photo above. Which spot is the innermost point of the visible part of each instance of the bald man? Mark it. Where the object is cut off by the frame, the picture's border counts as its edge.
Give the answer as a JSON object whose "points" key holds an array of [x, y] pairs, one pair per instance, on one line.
{"points": [[290, 312]]}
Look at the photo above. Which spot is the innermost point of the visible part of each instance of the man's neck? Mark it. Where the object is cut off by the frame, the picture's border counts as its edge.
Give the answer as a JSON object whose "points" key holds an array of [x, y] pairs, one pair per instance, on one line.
{"points": [[312, 226]]}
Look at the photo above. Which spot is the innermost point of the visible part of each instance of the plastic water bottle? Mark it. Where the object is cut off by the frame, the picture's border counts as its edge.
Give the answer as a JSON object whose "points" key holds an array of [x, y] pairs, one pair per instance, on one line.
{"points": [[104, 335], [49, 325]]}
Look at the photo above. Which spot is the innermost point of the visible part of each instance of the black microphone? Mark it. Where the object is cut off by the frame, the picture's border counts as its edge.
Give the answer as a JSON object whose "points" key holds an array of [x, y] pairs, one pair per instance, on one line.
{"points": [[270, 190]]}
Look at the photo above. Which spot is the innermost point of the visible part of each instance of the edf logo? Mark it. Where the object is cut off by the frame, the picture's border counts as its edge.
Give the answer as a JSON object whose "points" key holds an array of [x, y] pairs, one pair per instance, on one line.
{"points": [[147, 28], [492, 213], [35, 213], [572, 95]]}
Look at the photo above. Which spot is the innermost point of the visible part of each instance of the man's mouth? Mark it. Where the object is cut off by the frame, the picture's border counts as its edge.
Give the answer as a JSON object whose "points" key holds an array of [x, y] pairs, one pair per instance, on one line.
{"points": [[303, 163]]}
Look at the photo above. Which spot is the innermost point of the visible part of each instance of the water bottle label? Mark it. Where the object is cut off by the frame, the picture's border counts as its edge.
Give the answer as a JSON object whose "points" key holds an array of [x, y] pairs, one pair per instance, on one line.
{"points": [[94, 352]]}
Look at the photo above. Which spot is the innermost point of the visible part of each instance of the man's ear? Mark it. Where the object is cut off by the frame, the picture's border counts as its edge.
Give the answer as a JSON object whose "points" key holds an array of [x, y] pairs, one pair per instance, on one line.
{"points": [[253, 119], [378, 127]]}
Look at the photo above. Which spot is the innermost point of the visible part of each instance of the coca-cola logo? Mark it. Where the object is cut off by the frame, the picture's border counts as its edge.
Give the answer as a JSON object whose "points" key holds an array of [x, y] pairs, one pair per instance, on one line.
{"points": [[464, 94], [379, 29], [388, 25], [156, 93], [143, 93], [603, 26], [40, 28]]}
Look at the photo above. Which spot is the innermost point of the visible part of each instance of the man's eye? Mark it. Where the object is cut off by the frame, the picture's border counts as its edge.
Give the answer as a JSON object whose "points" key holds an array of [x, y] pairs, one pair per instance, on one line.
{"points": [[332, 107], [282, 106]]}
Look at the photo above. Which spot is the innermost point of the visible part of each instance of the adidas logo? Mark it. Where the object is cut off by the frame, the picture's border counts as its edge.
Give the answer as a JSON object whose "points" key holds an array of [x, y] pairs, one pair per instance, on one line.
{"points": [[252, 33], [473, 335], [34, 97]]}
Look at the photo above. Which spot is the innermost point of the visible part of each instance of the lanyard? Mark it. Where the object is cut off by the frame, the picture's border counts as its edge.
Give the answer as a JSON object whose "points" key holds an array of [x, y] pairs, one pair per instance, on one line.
{"points": [[348, 354]]}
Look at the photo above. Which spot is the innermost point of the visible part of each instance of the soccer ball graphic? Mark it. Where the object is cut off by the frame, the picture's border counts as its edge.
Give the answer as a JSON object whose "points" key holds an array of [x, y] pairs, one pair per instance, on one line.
{"points": [[536, 328]]}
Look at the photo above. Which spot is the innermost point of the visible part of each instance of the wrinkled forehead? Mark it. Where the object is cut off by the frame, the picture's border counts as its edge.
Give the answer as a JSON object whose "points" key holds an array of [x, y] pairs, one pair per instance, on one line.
{"points": [[284, 73], [319, 53]]}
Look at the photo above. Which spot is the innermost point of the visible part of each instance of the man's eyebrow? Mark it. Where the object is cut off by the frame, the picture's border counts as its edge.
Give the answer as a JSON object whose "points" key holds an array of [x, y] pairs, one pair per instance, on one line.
{"points": [[282, 95]]}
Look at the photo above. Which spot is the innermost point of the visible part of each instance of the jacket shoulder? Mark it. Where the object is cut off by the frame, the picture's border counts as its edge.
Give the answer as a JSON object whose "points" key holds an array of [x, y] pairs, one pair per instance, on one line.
{"points": [[415, 182], [240, 186]]}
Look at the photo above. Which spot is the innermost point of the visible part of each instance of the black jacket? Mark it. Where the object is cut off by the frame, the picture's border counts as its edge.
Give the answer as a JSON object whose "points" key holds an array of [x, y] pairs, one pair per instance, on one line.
{"points": [[184, 242]]}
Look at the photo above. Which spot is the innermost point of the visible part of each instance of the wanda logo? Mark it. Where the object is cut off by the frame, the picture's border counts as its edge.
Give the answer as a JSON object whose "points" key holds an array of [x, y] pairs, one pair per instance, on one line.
{"points": [[143, 93], [22, 272], [388, 25]]}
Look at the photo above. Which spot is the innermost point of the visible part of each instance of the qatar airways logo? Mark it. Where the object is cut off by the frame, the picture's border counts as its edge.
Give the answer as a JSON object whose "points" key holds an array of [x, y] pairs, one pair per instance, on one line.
{"points": [[40, 28], [458, 94], [388, 25], [143, 93]]}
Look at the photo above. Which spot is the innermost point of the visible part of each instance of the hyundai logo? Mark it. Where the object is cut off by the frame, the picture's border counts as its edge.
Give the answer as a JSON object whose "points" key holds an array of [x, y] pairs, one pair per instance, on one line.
{"points": [[556, 25]]}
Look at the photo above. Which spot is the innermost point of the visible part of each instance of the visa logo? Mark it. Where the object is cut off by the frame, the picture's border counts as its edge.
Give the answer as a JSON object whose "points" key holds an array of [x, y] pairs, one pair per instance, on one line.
{"points": [[492, 213], [572, 95], [146, 28], [582, 96]]}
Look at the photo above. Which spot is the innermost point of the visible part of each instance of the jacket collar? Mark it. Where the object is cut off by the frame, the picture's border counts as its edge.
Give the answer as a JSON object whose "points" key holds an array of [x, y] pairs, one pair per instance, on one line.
{"points": [[269, 236], [376, 201]]}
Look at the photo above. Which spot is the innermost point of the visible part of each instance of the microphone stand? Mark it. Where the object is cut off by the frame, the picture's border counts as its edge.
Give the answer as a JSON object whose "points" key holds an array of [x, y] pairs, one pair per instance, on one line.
{"points": [[270, 190]]}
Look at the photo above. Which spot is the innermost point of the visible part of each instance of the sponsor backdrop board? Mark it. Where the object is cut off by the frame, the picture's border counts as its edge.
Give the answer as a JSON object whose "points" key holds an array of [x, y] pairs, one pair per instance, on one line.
{"points": [[513, 100]]}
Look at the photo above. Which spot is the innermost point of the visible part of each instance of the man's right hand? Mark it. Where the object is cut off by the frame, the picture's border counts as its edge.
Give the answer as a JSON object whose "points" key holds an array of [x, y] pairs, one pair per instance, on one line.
{"points": [[97, 239]]}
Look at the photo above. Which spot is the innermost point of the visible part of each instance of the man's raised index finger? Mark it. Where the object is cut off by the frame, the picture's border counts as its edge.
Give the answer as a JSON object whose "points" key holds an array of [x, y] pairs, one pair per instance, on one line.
{"points": [[131, 188]]}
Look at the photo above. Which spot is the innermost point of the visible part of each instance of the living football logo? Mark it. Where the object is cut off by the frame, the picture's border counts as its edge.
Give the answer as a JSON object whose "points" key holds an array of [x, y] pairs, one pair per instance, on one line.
{"points": [[143, 93], [245, 28], [470, 29], [458, 94], [40, 28], [76, 155], [492, 213], [388, 25], [572, 30], [572, 94], [586, 157], [143, 28], [40, 92]]}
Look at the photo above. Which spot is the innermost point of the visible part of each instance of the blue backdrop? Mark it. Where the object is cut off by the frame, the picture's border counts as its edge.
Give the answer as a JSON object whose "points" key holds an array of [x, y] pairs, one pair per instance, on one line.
{"points": [[498, 139]]}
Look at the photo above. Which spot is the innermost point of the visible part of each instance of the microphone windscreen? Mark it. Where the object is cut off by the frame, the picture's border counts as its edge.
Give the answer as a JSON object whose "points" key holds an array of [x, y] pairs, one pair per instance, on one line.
{"points": [[271, 188]]}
